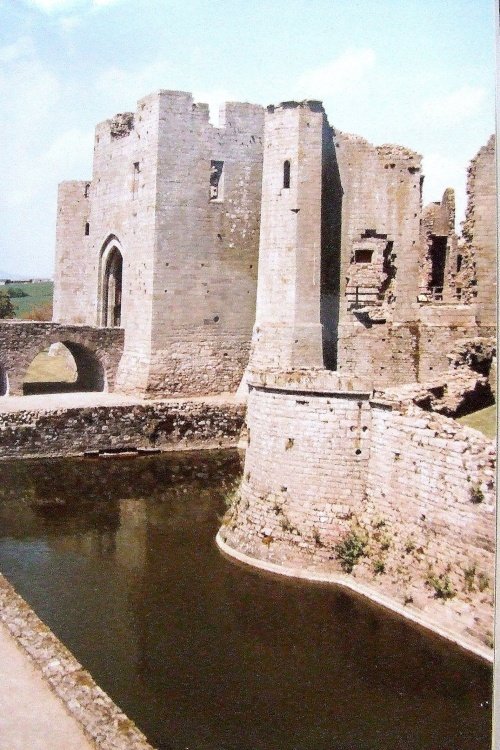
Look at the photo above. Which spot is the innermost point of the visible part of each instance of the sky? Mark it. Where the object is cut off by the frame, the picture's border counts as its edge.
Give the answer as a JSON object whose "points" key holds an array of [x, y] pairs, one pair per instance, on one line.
{"points": [[415, 72]]}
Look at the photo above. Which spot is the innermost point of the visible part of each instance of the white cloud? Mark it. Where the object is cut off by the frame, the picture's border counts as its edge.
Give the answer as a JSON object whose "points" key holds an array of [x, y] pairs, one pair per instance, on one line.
{"points": [[67, 157], [456, 107], [22, 47], [55, 6], [64, 6], [104, 3], [122, 88], [337, 76]]}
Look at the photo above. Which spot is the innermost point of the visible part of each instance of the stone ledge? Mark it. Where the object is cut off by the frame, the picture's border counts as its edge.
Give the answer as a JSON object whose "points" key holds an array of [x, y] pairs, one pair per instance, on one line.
{"points": [[99, 717]]}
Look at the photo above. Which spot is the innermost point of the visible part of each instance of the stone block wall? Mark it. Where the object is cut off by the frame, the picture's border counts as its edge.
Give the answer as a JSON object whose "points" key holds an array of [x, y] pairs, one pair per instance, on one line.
{"points": [[382, 198], [71, 292], [206, 245], [413, 491], [189, 259], [305, 464], [383, 354], [287, 329]]}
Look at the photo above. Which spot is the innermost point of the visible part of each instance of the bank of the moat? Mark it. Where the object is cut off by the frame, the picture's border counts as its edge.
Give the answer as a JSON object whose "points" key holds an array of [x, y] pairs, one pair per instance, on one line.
{"points": [[118, 558]]}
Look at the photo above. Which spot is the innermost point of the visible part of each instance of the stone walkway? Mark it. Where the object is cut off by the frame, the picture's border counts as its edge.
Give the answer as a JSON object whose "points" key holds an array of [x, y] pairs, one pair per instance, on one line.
{"points": [[31, 716], [54, 401]]}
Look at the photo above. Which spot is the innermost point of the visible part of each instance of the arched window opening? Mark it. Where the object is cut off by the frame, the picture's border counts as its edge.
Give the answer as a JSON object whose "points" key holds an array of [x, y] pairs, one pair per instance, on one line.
{"points": [[64, 367], [112, 290], [286, 174]]}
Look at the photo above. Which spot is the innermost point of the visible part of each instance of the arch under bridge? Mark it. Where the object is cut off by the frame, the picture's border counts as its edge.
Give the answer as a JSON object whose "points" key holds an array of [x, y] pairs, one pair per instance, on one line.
{"points": [[96, 352]]}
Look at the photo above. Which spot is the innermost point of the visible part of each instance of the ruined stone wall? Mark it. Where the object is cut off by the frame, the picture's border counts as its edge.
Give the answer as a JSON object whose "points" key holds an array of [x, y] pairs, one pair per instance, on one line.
{"points": [[479, 229], [185, 425], [385, 354], [413, 492], [438, 225], [430, 496], [380, 247], [206, 247]]}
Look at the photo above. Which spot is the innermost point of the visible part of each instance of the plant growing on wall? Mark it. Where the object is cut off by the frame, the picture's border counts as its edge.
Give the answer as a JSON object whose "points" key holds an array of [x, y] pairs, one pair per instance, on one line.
{"points": [[350, 550], [441, 585], [476, 494]]}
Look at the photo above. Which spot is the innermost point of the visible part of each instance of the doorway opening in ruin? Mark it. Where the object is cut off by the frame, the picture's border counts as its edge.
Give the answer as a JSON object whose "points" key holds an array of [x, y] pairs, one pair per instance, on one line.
{"points": [[112, 288], [437, 253], [64, 367]]}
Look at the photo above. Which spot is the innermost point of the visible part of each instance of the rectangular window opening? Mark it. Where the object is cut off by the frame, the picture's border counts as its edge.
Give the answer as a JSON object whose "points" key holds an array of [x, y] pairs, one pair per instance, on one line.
{"points": [[216, 181], [135, 179], [363, 256]]}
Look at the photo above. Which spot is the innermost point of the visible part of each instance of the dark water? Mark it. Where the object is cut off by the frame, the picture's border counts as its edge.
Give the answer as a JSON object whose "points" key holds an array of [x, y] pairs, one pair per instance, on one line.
{"points": [[118, 557]]}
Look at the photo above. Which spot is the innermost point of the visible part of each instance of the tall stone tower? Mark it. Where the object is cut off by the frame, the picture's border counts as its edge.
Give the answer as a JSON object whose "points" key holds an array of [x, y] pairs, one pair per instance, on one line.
{"points": [[287, 331]]}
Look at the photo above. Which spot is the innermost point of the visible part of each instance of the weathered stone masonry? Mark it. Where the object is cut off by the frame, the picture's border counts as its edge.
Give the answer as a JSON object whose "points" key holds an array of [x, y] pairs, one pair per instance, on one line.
{"points": [[163, 242], [167, 425], [354, 274], [417, 487]]}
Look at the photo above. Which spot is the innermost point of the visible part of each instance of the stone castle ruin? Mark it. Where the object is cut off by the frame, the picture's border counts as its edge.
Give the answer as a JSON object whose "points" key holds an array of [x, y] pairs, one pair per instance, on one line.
{"points": [[279, 257]]}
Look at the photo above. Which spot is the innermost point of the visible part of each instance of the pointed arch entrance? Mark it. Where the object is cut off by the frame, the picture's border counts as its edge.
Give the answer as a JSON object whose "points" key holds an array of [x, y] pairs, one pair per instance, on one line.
{"points": [[111, 284]]}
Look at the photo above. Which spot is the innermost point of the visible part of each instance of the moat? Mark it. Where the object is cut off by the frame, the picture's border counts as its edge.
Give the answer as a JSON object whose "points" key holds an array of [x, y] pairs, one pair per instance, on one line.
{"points": [[118, 558]]}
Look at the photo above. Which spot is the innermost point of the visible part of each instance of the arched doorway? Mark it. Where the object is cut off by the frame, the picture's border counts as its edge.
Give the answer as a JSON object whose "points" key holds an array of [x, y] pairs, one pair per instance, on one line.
{"points": [[112, 288], [64, 367]]}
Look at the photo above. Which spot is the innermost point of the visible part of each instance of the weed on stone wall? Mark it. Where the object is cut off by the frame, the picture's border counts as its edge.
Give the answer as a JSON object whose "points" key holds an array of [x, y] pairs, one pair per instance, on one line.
{"points": [[316, 537], [441, 585], [476, 494], [475, 580], [231, 501], [350, 550]]}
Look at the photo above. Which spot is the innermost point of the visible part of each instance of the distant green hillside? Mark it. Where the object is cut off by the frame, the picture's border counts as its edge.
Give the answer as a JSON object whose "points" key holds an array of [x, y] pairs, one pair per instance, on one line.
{"points": [[38, 294]]}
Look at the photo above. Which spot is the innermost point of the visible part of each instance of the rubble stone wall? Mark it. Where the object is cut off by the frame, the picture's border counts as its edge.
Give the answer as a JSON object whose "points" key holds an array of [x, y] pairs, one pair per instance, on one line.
{"points": [[172, 425]]}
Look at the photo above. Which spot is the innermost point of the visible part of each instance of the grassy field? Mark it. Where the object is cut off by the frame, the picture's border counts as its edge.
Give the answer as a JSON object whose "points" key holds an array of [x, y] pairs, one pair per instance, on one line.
{"points": [[45, 368], [39, 293], [484, 420]]}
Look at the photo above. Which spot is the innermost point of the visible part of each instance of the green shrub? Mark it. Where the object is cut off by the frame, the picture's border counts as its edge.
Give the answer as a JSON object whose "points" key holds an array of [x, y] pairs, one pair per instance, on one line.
{"points": [[350, 550], [378, 567], [6, 306], [441, 585]]}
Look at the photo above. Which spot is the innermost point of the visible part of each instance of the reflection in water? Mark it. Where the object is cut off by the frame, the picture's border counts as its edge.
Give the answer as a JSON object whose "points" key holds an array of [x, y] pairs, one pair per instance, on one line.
{"points": [[118, 557]]}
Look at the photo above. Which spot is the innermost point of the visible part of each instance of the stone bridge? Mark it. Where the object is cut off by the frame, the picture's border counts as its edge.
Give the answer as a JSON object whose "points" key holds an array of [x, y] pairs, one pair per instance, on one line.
{"points": [[96, 351]]}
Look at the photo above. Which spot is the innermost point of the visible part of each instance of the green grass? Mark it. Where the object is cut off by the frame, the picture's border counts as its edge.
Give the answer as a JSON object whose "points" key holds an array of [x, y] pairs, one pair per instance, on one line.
{"points": [[39, 293], [484, 420], [59, 368]]}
